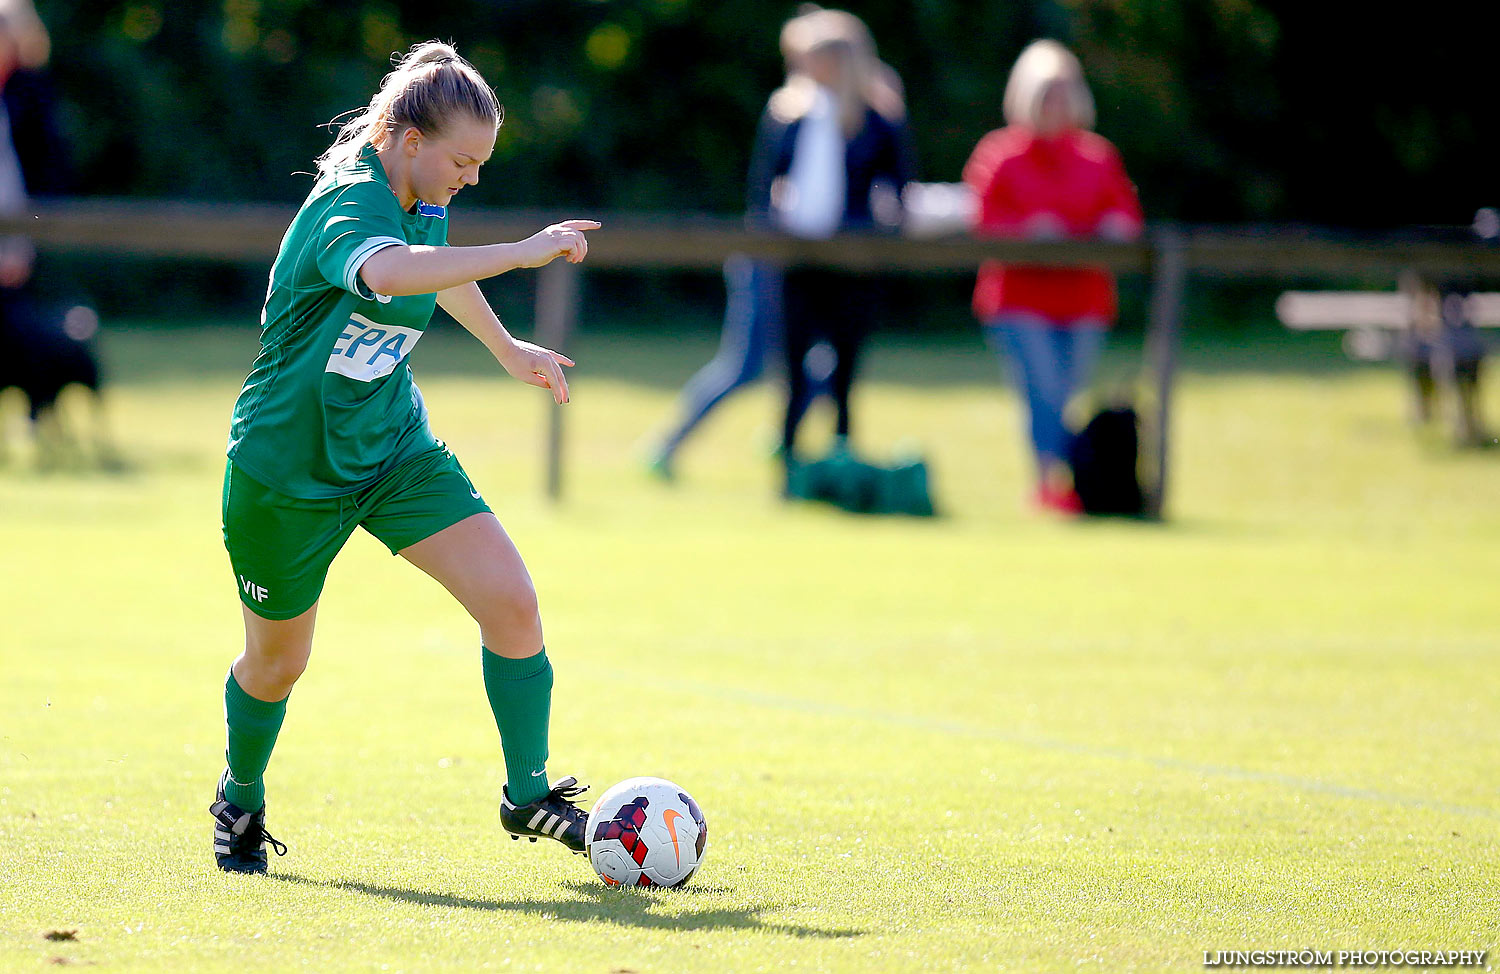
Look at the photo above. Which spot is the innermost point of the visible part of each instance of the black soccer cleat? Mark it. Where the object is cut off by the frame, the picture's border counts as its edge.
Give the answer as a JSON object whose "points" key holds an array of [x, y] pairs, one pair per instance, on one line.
{"points": [[553, 816], [240, 837]]}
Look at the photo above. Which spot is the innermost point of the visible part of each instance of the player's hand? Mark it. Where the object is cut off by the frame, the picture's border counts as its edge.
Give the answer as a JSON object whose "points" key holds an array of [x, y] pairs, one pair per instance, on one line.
{"points": [[538, 366], [563, 239]]}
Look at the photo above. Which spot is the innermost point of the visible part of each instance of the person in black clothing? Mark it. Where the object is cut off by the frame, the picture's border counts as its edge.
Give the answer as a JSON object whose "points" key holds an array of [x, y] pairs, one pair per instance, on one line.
{"points": [[831, 152], [30, 101], [28, 107], [1444, 352], [752, 332], [42, 349], [30, 104]]}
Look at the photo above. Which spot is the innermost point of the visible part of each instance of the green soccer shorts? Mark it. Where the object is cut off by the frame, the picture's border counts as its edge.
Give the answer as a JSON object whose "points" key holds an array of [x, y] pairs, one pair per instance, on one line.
{"points": [[280, 547]]}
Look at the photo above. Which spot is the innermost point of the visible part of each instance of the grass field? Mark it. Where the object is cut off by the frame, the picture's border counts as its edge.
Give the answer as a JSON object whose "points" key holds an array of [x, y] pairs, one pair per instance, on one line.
{"points": [[989, 741]]}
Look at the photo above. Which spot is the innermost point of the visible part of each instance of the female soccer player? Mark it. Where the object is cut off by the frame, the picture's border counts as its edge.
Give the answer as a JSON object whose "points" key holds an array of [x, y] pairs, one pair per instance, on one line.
{"points": [[330, 433]]}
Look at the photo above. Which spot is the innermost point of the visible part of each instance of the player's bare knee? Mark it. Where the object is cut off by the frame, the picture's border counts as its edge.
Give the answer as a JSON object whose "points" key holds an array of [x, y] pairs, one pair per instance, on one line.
{"points": [[512, 605], [269, 676], [288, 669], [507, 613], [276, 660], [281, 672]]}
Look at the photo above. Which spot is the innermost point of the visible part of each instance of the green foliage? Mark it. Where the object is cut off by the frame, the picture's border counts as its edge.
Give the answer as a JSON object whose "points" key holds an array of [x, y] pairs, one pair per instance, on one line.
{"points": [[1236, 109]]}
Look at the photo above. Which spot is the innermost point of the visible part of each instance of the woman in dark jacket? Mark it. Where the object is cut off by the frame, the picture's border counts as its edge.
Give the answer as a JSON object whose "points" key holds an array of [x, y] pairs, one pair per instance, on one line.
{"points": [[831, 148]]}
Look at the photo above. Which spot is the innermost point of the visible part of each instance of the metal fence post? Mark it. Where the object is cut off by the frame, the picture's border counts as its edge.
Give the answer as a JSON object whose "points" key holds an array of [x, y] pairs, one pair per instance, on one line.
{"points": [[556, 314], [1168, 279]]}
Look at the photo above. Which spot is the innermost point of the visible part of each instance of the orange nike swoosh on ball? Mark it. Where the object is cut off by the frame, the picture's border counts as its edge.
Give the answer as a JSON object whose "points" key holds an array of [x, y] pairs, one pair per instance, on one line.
{"points": [[670, 816]]}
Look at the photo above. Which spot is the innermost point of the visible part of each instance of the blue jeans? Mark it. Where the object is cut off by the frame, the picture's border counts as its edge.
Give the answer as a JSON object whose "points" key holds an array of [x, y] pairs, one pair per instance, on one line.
{"points": [[752, 330], [753, 334], [1049, 364]]}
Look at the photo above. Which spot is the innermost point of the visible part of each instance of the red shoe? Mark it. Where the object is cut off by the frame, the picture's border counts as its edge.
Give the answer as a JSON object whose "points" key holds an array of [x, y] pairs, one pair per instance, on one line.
{"points": [[1062, 500]]}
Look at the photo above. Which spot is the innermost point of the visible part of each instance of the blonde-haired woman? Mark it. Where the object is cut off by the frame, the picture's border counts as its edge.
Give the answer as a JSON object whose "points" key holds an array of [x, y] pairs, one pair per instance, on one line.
{"points": [[330, 433], [831, 139], [1047, 176], [752, 325]]}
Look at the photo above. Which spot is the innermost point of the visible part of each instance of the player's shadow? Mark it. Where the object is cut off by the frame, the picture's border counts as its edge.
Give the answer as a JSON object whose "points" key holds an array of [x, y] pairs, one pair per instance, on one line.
{"points": [[631, 907]]}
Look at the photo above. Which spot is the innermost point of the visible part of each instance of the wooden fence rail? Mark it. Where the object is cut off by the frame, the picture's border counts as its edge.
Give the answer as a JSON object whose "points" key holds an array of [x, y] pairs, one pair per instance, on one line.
{"points": [[242, 232]]}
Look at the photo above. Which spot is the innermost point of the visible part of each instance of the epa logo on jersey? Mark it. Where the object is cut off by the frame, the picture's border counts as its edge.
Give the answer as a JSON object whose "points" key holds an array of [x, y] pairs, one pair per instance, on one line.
{"points": [[366, 351]]}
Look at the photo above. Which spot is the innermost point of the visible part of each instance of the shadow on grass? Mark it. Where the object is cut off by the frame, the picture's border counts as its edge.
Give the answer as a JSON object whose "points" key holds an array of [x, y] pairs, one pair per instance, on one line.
{"points": [[595, 902]]}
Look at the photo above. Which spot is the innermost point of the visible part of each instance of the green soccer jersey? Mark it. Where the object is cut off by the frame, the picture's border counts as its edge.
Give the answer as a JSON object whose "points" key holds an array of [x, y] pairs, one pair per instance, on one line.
{"points": [[330, 405]]}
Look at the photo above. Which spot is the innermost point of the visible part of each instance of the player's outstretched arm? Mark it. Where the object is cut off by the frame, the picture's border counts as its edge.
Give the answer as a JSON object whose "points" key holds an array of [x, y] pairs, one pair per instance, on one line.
{"points": [[530, 363], [404, 270]]}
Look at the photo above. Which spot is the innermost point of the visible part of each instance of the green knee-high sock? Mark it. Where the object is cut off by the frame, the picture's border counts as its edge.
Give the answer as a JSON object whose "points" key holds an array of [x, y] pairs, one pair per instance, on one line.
{"points": [[520, 692], [253, 725]]}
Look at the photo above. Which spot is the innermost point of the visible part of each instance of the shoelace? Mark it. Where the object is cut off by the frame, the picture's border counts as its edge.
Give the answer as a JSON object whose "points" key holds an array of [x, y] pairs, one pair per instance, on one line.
{"points": [[271, 840], [279, 847], [567, 789], [564, 791]]}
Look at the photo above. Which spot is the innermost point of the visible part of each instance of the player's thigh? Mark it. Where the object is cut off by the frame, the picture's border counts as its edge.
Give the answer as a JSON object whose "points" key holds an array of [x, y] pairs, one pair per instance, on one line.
{"points": [[280, 547], [478, 563], [431, 515]]}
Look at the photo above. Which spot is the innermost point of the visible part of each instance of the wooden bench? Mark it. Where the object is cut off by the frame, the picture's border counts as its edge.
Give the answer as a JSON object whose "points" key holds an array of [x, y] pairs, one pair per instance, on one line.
{"points": [[1371, 320], [1375, 324]]}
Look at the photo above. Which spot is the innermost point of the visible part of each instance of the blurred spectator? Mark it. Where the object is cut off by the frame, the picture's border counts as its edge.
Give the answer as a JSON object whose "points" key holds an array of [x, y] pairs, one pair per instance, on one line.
{"points": [[31, 104], [831, 155], [752, 311], [42, 350], [1046, 176], [1443, 350], [16, 254]]}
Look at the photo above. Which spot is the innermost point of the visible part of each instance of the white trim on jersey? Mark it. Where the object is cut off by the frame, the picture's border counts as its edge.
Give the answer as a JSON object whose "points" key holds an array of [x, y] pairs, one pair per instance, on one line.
{"points": [[357, 260]]}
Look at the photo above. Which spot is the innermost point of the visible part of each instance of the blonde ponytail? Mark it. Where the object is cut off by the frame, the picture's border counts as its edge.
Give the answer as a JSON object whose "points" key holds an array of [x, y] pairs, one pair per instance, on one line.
{"points": [[426, 89]]}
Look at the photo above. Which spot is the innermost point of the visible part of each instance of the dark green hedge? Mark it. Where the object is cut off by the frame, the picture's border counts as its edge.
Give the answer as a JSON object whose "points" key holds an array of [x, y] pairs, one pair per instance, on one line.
{"points": [[1225, 109]]}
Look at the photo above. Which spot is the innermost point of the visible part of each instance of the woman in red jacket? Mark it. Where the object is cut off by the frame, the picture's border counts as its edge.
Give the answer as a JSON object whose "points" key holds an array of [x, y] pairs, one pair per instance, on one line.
{"points": [[1047, 176]]}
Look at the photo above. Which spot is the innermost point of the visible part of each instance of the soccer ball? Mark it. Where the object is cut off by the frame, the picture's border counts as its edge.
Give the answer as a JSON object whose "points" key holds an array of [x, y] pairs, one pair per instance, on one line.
{"points": [[645, 832]]}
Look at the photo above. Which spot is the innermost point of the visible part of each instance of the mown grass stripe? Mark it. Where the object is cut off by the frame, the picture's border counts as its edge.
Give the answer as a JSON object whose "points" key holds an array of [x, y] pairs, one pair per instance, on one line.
{"points": [[757, 698]]}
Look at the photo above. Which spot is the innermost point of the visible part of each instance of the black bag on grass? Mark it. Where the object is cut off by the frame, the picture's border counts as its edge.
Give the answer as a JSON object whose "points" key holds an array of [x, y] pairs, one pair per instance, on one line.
{"points": [[1104, 456]]}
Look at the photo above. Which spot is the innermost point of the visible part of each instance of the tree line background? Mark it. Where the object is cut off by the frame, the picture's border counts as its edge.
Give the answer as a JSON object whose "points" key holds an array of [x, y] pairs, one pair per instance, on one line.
{"points": [[1224, 110]]}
